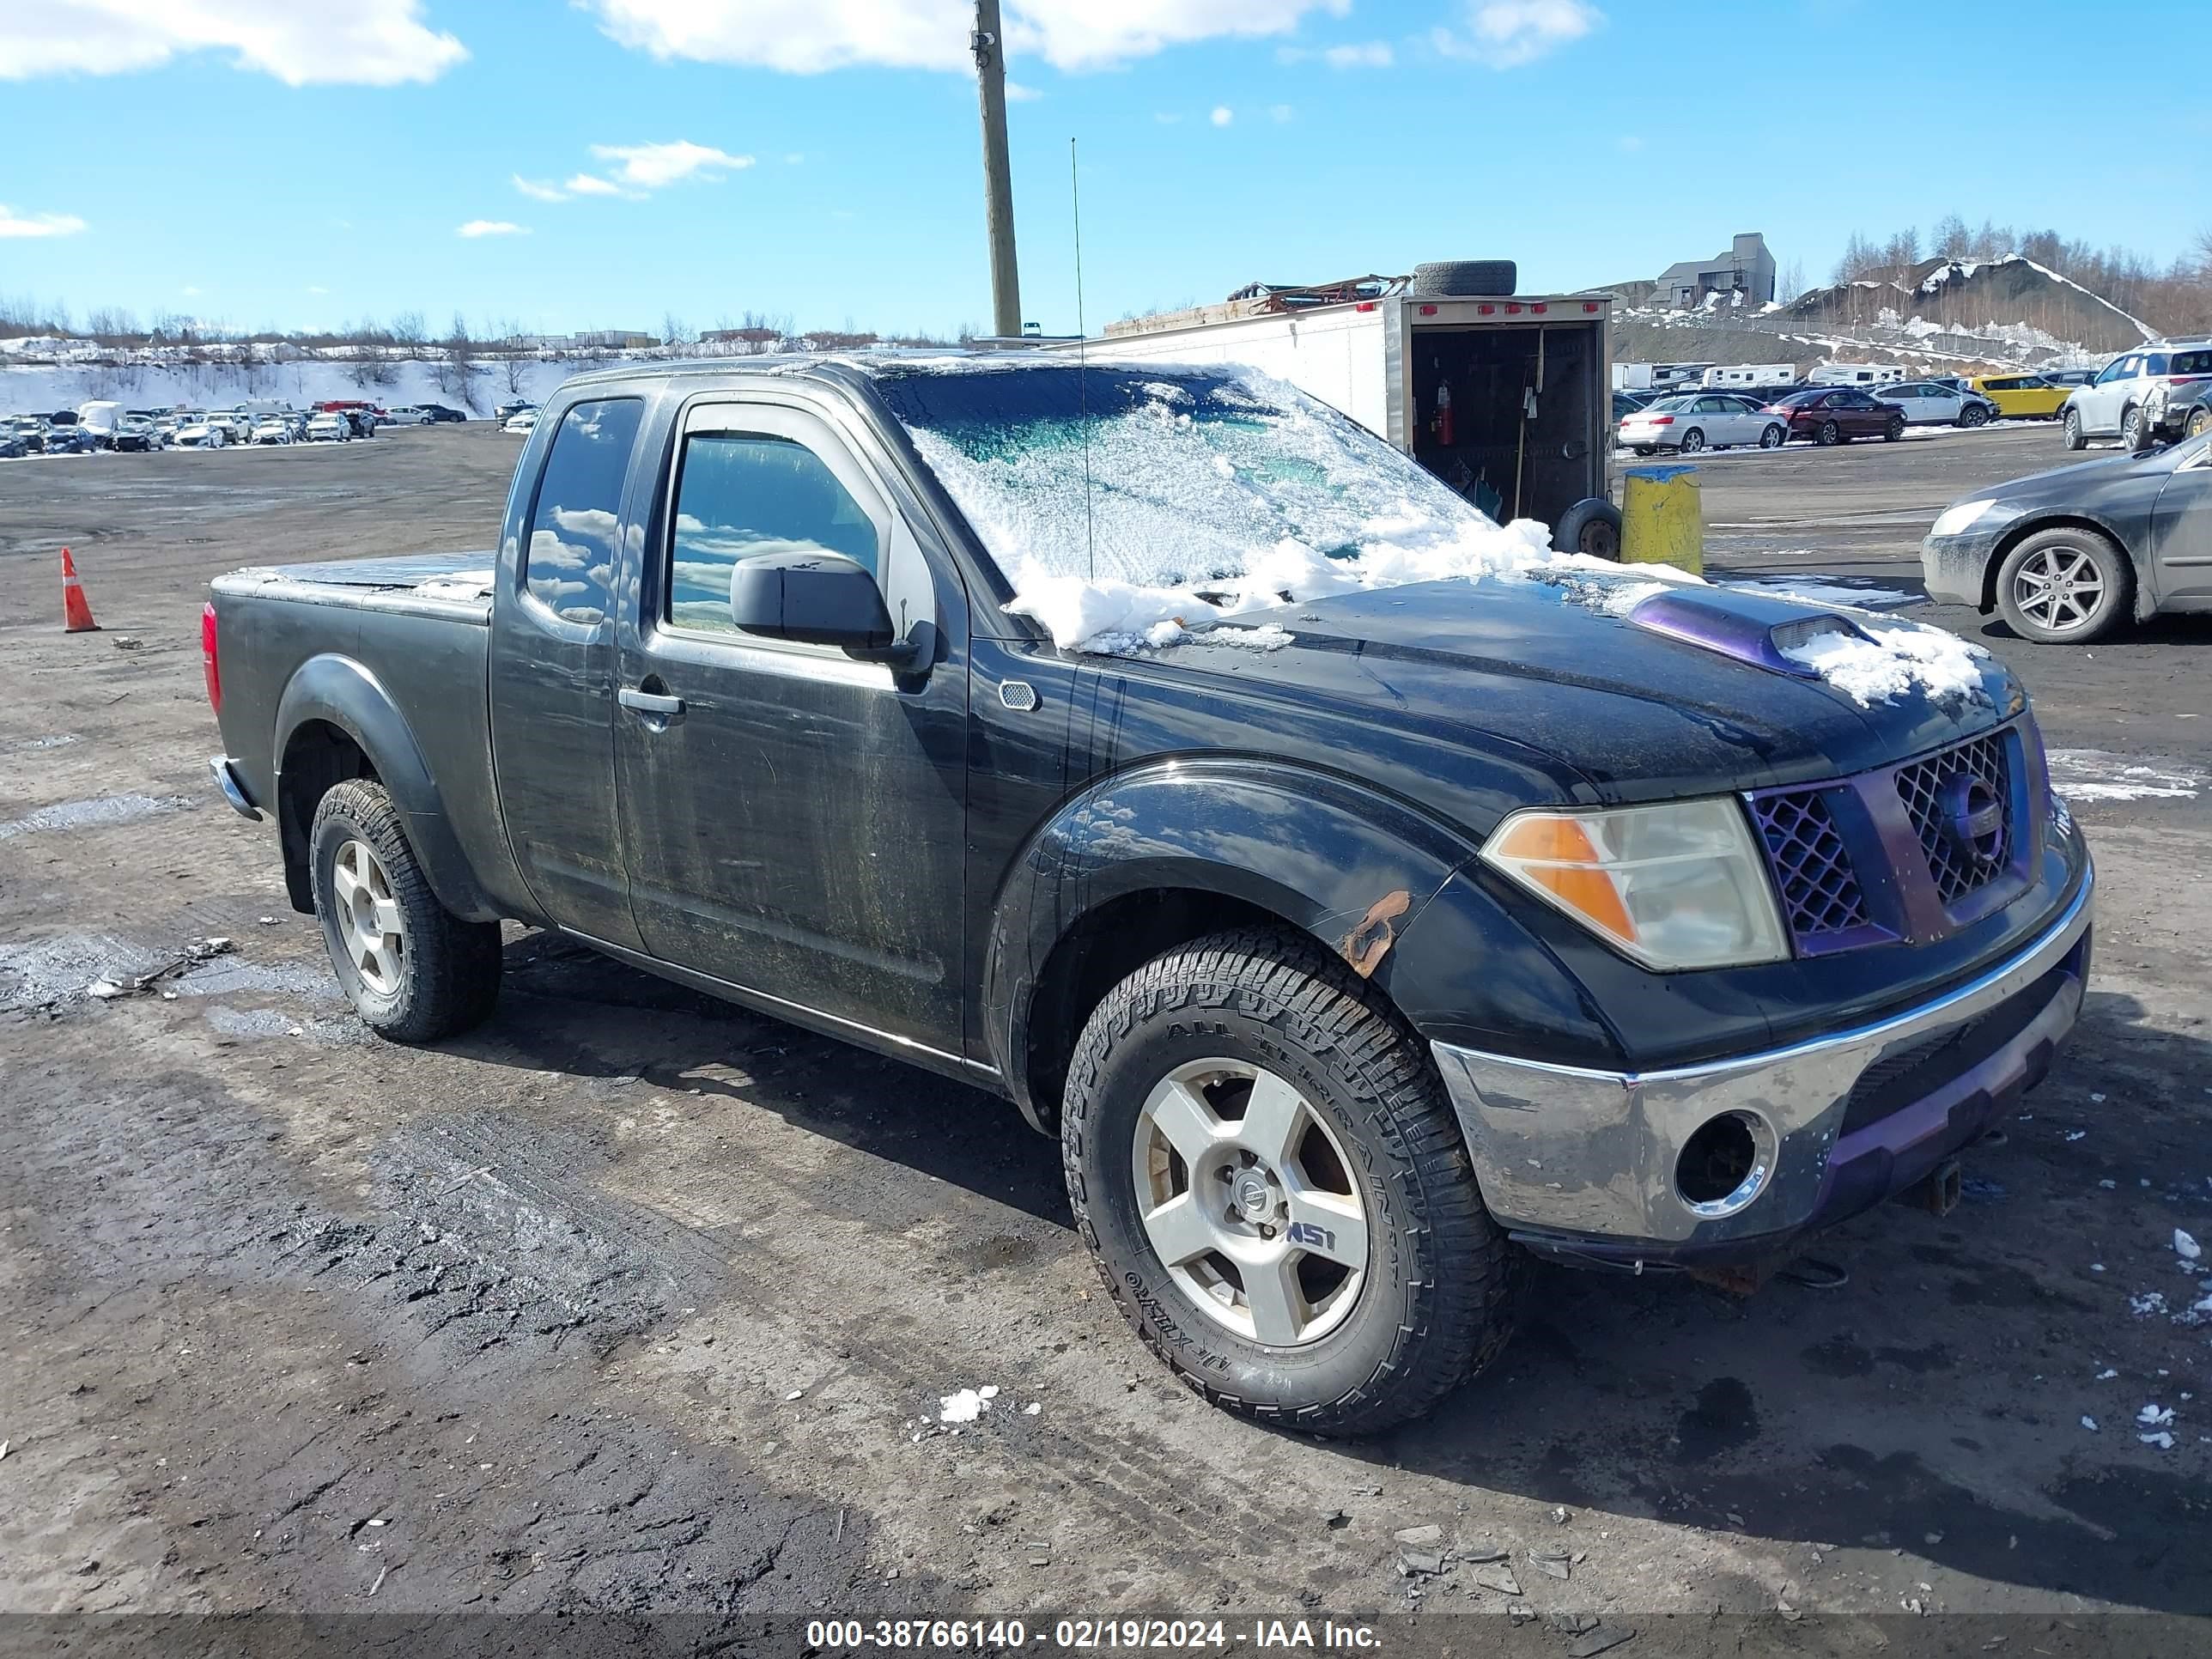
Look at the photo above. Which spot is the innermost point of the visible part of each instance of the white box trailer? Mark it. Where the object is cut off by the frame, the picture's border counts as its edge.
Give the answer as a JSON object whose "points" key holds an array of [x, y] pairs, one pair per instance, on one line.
{"points": [[1751, 374], [1506, 398], [1856, 375]]}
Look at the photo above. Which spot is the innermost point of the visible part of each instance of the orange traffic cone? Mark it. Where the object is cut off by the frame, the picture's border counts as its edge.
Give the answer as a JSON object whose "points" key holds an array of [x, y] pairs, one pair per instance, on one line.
{"points": [[76, 613]]}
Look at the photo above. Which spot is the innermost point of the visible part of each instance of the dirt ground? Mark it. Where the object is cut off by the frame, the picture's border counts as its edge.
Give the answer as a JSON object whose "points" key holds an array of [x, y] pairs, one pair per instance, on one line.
{"points": [[634, 1303]]}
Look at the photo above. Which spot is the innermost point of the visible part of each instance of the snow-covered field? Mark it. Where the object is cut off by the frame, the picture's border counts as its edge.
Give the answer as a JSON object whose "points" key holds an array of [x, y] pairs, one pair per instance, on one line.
{"points": [[43, 387]]}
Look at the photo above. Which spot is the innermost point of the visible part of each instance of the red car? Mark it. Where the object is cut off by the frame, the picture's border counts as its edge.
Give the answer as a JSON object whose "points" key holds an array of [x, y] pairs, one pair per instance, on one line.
{"points": [[1835, 415]]}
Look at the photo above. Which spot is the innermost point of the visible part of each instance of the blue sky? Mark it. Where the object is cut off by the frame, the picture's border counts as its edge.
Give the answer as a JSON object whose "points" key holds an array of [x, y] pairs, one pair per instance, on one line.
{"points": [[290, 164]]}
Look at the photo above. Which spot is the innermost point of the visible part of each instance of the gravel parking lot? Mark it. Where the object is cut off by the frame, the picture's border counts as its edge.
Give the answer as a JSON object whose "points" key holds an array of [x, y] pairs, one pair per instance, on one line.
{"points": [[635, 1303]]}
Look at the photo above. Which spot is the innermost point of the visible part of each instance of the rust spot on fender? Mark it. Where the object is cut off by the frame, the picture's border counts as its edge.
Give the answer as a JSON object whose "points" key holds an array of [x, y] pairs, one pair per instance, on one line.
{"points": [[1367, 943]]}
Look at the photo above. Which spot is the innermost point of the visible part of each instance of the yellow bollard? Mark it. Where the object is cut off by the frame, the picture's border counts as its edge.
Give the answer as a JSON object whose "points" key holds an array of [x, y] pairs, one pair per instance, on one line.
{"points": [[1663, 517]]}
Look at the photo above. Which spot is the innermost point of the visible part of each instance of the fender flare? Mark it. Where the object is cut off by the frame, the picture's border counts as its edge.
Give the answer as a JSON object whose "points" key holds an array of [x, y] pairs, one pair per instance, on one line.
{"points": [[339, 690], [1354, 868]]}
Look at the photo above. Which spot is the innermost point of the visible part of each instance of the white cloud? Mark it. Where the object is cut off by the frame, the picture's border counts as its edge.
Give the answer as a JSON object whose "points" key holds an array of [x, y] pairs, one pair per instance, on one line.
{"points": [[317, 288], [1020, 92], [1507, 34], [588, 184], [1358, 54], [1280, 113], [13, 223], [492, 227], [540, 190], [806, 37], [362, 42], [648, 167], [1223, 115]]}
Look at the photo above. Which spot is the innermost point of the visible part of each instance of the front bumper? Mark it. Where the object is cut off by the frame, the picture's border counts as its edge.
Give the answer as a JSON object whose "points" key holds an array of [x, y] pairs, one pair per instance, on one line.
{"points": [[1582, 1164], [1955, 569]]}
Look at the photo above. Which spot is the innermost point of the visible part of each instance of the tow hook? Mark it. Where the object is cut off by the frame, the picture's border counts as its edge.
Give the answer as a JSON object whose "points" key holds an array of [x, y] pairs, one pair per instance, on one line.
{"points": [[1938, 1193]]}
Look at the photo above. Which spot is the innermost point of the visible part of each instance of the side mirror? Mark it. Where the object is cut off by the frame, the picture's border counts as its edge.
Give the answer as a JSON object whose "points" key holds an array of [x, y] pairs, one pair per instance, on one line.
{"points": [[814, 598]]}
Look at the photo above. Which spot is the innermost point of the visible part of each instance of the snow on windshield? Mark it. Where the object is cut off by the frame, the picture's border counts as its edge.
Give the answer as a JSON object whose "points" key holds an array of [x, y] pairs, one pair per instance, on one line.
{"points": [[1134, 506]]}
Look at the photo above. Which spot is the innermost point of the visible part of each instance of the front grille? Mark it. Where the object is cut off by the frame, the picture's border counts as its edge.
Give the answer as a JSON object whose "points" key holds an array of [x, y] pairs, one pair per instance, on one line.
{"points": [[1930, 790], [1821, 892]]}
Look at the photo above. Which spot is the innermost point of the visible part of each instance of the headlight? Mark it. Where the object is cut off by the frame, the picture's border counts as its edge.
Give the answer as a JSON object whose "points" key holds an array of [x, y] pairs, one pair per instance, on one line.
{"points": [[1954, 520], [1681, 885]]}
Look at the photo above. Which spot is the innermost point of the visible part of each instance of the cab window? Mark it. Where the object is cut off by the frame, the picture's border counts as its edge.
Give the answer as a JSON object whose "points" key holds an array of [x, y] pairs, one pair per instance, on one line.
{"points": [[568, 567], [740, 494]]}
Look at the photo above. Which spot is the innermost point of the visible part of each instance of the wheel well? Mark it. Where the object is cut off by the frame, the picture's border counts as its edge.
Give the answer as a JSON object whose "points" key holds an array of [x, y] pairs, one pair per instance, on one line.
{"points": [[316, 756], [2014, 537], [1097, 953]]}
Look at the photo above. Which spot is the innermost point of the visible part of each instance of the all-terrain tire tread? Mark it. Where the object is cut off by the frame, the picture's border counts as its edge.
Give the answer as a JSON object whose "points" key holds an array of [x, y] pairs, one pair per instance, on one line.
{"points": [[1463, 1303]]}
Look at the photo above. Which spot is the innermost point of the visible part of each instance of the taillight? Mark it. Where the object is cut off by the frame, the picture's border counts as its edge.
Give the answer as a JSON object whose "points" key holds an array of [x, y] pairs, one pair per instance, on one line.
{"points": [[1662, 419], [208, 664]]}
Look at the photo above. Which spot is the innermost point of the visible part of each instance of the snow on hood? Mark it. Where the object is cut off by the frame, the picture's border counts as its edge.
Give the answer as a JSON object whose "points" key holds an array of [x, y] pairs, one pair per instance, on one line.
{"points": [[1884, 659]]}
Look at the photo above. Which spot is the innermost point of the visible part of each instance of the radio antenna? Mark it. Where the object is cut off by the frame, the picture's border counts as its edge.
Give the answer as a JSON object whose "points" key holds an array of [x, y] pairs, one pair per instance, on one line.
{"points": [[1082, 360]]}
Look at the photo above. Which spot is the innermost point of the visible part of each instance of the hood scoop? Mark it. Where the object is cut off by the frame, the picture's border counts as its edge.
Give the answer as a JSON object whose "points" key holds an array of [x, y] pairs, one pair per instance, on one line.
{"points": [[1752, 627]]}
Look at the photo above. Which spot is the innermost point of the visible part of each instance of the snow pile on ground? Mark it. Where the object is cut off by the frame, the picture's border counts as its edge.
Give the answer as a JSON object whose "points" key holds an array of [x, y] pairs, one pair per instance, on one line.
{"points": [[965, 1405], [1880, 662]]}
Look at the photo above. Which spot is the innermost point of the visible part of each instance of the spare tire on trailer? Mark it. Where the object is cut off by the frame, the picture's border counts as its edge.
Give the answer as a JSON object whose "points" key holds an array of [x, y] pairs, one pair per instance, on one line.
{"points": [[1591, 526], [1445, 279]]}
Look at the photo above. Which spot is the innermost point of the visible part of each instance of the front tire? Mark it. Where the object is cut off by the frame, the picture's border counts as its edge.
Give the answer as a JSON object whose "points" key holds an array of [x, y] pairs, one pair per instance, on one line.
{"points": [[1973, 415], [1893, 431], [2070, 432], [1262, 1160], [2200, 422], [2068, 586], [1774, 437], [414, 971]]}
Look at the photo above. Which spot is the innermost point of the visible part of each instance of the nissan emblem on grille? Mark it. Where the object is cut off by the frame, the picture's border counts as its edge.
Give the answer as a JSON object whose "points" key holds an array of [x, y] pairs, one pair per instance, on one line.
{"points": [[1973, 817]]}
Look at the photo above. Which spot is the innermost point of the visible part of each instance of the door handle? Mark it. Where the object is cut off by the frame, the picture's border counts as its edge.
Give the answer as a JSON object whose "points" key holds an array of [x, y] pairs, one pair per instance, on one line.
{"points": [[659, 710]]}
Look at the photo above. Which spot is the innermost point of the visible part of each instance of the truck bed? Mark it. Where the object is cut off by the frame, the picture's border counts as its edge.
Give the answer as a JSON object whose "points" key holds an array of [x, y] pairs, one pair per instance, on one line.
{"points": [[453, 585]]}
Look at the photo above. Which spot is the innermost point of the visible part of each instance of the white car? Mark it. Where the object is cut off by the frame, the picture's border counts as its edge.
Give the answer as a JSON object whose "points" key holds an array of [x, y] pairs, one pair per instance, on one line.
{"points": [[1694, 420], [329, 428], [201, 432], [1935, 402], [405, 415], [237, 426], [272, 429], [2110, 405], [523, 420]]}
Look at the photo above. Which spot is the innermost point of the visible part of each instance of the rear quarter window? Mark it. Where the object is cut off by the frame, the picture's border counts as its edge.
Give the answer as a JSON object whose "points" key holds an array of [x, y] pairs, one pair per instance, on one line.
{"points": [[568, 562]]}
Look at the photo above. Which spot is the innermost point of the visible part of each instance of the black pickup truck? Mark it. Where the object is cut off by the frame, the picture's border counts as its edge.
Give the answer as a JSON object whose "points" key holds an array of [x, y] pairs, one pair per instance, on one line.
{"points": [[1357, 948]]}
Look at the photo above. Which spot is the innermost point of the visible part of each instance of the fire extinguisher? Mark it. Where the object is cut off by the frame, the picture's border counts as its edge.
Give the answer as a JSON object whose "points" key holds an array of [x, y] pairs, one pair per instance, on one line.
{"points": [[1443, 414]]}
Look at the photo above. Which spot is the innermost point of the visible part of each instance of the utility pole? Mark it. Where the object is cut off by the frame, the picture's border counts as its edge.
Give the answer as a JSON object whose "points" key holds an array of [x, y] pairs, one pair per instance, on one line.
{"points": [[989, 44]]}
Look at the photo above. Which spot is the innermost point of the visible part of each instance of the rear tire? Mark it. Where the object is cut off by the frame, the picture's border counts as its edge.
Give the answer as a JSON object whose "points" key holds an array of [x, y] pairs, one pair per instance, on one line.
{"points": [[1647, 449], [2070, 427], [1829, 435], [1692, 442], [414, 971], [1259, 1009], [1591, 526], [2199, 423]]}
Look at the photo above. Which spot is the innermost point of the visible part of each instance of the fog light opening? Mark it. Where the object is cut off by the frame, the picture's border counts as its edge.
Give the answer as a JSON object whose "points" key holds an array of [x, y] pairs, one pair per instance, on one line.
{"points": [[1724, 1164]]}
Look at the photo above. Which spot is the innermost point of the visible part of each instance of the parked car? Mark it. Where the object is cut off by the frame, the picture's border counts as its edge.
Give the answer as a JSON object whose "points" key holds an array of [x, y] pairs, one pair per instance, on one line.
{"points": [[1835, 415], [1339, 1002], [523, 420], [2069, 556], [237, 425], [136, 432], [330, 426], [30, 431], [272, 429], [12, 447], [2110, 405], [202, 432], [1932, 403], [404, 415], [2023, 397], [1701, 420], [2177, 410], [512, 407], [2069, 377], [1625, 404], [71, 439], [440, 413]]}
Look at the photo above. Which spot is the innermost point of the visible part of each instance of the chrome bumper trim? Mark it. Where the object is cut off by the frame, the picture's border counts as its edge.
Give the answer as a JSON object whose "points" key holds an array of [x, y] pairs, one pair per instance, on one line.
{"points": [[227, 780], [1567, 1150]]}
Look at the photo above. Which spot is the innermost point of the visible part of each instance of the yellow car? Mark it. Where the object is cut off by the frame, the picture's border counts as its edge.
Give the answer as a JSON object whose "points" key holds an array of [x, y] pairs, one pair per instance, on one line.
{"points": [[2022, 397]]}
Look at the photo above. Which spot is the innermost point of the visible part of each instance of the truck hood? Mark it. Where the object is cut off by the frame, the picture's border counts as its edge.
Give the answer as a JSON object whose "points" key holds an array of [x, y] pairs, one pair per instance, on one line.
{"points": [[1641, 714]]}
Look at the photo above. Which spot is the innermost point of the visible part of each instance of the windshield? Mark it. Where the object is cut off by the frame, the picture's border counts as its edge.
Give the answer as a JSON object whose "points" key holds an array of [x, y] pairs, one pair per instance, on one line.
{"points": [[1669, 406], [1161, 475]]}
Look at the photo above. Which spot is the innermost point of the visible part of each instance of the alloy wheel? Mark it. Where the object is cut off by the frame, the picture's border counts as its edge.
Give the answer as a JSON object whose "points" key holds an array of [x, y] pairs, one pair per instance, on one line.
{"points": [[368, 919], [1247, 1196], [2061, 588]]}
